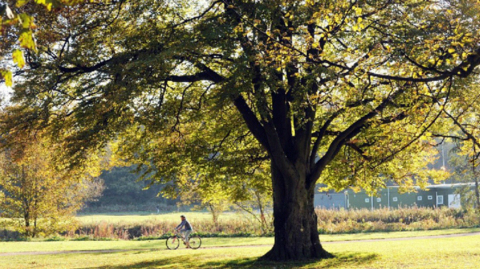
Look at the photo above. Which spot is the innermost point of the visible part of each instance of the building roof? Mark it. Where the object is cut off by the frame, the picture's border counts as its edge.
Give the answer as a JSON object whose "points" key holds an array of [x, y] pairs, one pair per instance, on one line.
{"points": [[442, 186], [452, 185], [436, 186]]}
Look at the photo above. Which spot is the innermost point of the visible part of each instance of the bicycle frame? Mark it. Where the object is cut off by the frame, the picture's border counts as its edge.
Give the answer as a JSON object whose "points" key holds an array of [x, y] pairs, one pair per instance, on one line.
{"points": [[173, 241], [177, 236]]}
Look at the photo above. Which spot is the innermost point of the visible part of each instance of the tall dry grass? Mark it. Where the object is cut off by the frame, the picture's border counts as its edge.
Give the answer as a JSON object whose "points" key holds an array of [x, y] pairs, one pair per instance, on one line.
{"points": [[401, 219], [329, 222]]}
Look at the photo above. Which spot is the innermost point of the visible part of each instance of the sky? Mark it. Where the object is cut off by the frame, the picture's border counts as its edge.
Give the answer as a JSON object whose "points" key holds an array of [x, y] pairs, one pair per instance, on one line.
{"points": [[4, 92], [4, 89]]}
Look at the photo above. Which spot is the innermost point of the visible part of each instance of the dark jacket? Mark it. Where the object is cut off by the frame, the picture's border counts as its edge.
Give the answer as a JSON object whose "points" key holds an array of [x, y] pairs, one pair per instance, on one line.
{"points": [[185, 224]]}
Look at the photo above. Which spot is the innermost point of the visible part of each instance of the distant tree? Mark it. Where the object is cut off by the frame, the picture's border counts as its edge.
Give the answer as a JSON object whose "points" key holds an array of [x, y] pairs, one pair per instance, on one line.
{"points": [[124, 187], [205, 194], [258, 205], [253, 195], [37, 192], [463, 115], [217, 189], [464, 170], [322, 91]]}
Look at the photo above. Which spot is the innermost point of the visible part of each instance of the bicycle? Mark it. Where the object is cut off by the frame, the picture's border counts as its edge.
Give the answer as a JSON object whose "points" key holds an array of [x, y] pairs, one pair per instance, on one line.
{"points": [[174, 241]]}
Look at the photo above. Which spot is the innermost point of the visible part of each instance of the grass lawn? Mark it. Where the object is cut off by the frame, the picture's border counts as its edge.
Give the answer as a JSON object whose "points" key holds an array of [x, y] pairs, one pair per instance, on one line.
{"points": [[206, 242], [455, 252], [35, 246], [141, 217]]}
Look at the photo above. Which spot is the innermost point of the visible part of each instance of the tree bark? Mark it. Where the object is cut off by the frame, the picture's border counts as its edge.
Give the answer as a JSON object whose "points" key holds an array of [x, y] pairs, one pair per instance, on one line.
{"points": [[263, 220], [215, 213], [27, 224], [34, 232], [295, 221], [477, 193], [474, 173]]}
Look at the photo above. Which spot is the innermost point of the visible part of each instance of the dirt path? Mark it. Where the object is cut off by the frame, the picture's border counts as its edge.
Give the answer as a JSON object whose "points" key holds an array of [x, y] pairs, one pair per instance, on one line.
{"points": [[218, 247]]}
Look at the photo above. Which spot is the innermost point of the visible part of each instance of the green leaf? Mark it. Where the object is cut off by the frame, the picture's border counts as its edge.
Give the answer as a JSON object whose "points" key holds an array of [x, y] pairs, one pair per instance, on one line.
{"points": [[358, 11], [7, 76], [21, 2], [26, 40], [17, 56], [49, 4], [26, 21]]}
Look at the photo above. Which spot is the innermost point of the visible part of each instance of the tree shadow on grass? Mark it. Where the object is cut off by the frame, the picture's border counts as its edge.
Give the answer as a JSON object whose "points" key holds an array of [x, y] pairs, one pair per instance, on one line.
{"points": [[350, 259], [340, 260], [178, 261]]}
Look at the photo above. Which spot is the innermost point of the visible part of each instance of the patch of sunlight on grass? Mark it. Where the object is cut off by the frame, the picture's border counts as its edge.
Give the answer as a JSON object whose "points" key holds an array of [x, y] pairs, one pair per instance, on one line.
{"points": [[390, 235], [457, 252], [115, 219], [131, 218], [206, 242]]}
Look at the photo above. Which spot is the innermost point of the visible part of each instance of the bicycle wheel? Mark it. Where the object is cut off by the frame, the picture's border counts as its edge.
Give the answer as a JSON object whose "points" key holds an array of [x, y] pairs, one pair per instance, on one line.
{"points": [[195, 242], [173, 242]]}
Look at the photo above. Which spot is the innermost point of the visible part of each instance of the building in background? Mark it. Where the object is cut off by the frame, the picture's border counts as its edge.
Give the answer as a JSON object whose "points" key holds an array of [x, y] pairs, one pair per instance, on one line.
{"points": [[331, 200], [432, 196]]}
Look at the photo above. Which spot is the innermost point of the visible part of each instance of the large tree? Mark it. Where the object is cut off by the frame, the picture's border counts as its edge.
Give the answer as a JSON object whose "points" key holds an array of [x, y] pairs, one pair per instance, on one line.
{"points": [[335, 91]]}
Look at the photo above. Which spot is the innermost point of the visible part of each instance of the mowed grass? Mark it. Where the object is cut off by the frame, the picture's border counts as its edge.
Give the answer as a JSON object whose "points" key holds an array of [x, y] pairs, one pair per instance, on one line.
{"points": [[141, 217], [455, 252], [6, 247], [40, 246]]}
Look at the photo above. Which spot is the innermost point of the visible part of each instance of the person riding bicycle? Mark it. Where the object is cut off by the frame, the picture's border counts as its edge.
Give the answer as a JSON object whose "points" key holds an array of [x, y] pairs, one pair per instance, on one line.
{"points": [[186, 231]]}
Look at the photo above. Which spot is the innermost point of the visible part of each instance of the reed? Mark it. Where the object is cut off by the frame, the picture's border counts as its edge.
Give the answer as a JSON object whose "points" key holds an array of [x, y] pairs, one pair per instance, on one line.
{"points": [[329, 222]]}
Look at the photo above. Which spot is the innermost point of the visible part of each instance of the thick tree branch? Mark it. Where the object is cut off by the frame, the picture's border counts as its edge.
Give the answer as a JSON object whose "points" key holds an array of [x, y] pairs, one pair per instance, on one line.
{"points": [[277, 154], [324, 129], [202, 76], [252, 121], [200, 15], [462, 70], [320, 135], [346, 135], [359, 151]]}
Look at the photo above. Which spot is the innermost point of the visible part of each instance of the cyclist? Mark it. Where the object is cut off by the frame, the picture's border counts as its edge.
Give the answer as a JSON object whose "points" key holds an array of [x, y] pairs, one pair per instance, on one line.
{"points": [[185, 228]]}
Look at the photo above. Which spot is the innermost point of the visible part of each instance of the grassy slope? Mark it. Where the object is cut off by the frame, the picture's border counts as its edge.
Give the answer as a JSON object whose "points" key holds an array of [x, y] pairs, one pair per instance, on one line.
{"points": [[460, 252]]}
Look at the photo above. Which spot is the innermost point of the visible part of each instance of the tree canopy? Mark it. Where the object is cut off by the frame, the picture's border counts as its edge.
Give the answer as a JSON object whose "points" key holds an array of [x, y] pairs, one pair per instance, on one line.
{"points": [[17, 25], [325, 91]]}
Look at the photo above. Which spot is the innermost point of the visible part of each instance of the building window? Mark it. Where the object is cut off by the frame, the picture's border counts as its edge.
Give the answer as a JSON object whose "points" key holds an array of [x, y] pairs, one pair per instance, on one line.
{"points": [[367, 200], [440, 200], [395, 199], [379, 200], [419, 198], [430, 197]]}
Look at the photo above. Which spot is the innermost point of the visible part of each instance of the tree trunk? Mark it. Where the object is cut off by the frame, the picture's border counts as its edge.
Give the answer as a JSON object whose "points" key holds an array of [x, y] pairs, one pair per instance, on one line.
{"points": [[263, 220], [27, 225], [474, 173], [477, 194], [295, 221], [215, 214], [34, 232]]}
